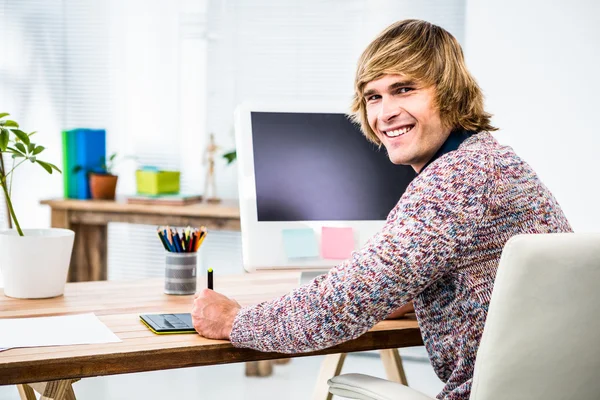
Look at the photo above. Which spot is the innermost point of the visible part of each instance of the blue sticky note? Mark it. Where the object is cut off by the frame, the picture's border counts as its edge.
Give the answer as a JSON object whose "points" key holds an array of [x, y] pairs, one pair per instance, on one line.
{"points": [[300, 243]]}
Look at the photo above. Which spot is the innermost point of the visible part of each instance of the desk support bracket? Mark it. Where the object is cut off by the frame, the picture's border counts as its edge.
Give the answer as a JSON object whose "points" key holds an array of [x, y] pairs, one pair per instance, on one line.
{"points": [[53, 390]]}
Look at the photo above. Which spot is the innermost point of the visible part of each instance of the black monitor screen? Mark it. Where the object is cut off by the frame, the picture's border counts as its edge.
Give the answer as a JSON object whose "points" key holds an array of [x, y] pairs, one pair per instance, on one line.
{"points": [[319, 167]]}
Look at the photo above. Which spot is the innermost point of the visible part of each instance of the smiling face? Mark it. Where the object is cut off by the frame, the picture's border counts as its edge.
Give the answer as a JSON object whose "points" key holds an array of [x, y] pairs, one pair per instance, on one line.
{"points": [[403, 116]]}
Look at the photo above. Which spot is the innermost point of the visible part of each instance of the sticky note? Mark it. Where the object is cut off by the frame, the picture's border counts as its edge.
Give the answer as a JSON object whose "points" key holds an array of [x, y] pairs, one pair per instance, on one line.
{"points": [[337, 243], [300, 243]]}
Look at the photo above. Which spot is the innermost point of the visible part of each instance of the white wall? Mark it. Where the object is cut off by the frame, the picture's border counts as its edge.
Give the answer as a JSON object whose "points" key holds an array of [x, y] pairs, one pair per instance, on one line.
{"points": [[537, 62]]}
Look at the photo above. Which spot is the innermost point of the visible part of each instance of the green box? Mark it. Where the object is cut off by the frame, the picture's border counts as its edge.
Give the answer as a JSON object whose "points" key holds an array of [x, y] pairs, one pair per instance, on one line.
{"points": [[157, 182]]}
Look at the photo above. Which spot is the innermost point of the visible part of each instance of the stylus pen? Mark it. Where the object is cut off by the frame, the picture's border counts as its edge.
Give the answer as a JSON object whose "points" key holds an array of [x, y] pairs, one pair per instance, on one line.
{"points": [[210, 278]]}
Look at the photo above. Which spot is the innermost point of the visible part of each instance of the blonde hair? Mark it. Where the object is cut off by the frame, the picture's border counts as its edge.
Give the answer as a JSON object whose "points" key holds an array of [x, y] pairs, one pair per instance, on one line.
{"points": [[430, 55]]}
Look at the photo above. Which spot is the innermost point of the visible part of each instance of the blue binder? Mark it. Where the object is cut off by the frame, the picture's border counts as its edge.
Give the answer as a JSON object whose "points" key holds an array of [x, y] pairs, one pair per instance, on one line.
{"points": [[85, 148]]}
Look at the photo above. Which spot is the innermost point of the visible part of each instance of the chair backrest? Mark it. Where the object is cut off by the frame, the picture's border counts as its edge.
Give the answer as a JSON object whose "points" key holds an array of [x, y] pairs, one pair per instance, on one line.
{"points": [[542, 334]]}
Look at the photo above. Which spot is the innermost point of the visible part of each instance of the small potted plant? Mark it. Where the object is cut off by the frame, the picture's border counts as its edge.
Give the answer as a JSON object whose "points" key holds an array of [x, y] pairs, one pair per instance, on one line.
{"points": [[103, 183], [35, 262]]}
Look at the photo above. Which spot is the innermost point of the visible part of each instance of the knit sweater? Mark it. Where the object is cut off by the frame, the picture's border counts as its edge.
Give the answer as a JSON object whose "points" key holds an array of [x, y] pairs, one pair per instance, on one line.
{"points": [[440, 248]]}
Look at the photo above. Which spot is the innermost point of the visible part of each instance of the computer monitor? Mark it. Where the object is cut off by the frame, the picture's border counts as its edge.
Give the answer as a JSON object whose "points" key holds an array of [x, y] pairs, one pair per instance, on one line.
{"points": [[308, 168]]}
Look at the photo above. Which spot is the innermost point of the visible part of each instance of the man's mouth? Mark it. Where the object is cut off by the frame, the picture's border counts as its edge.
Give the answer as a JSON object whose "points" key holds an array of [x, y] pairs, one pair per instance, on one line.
{"points": [[399, 131]]}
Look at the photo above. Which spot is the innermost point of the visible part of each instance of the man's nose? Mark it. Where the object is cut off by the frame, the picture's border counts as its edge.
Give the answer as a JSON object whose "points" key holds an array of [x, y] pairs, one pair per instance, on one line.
{"points": [[389, 110]]}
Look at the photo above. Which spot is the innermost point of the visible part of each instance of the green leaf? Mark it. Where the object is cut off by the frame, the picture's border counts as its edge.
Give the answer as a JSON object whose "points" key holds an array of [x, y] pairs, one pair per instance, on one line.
{"points": [[46, 166], [32, 159], [4, 136], [31, 147], [32, 133], [112, 157], [21, 147], [17, 155], [10, 123], [22, 136], [38, 150], [230, 157], [2, 115], [52, 166]]}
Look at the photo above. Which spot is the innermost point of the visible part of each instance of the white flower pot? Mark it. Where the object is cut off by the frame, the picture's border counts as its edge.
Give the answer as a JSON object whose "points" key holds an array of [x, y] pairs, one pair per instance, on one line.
{"points": [[35, 266]]}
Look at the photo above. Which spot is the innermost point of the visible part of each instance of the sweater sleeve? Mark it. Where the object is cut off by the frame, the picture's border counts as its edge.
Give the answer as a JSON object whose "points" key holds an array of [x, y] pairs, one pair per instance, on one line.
{"points": [[433, 221]]}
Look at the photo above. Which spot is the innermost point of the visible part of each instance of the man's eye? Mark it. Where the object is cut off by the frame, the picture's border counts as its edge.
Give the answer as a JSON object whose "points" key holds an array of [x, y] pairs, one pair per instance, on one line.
{"points": [[373, 97], [404, 90]]}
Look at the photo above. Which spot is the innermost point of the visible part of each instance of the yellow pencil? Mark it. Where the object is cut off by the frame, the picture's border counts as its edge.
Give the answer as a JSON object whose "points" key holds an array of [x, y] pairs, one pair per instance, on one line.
{"points": [[203, 234]]}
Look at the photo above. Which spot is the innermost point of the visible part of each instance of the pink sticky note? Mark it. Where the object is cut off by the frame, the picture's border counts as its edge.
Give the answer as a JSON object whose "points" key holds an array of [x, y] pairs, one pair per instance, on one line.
{"points": [[337, 243]]}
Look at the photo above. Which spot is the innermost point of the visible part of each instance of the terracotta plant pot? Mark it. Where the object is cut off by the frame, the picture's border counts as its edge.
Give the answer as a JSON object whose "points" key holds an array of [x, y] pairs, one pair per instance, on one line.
{"points": [[103, 186]]}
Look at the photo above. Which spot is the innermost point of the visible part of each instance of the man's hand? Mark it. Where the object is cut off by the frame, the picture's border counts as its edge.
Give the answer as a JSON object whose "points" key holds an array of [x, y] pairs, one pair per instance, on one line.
{"points": [[400, 312], [213, 314]]}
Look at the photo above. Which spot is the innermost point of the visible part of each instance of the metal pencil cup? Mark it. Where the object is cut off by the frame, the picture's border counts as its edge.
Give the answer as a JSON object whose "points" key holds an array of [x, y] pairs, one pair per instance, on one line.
{"points": [[180, 273]]}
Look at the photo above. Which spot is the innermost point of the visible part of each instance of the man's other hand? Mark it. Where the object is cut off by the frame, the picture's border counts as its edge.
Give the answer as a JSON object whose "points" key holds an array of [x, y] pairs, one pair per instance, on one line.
{"points": [[213, 314], [400, 312]]}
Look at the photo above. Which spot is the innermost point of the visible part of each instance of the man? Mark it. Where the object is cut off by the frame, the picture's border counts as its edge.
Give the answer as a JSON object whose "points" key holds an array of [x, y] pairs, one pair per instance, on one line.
{"points": [[441, 243]]}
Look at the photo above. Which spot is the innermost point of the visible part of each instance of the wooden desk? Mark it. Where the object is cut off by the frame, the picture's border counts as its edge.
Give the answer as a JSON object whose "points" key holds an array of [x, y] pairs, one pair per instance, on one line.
{"points": [[89, 220], [118, 304]]}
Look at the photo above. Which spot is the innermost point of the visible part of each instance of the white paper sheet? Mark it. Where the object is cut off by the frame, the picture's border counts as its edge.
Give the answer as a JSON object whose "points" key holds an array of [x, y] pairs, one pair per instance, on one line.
{"points": [[54, 331]]}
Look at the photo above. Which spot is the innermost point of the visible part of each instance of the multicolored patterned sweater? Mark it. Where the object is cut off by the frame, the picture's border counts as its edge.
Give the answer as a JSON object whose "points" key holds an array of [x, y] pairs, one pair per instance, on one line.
{"points": [[439, 248]]}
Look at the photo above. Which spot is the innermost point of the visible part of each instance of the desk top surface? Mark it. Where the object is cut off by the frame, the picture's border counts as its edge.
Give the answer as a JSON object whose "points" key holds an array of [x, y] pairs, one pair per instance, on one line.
{"points": [[119, 303], [225, 209]]}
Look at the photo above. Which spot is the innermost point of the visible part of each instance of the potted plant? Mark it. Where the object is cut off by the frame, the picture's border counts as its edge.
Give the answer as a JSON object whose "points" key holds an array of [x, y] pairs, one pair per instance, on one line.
{"points": [[35, 262], [103, 183], [230, 156]]}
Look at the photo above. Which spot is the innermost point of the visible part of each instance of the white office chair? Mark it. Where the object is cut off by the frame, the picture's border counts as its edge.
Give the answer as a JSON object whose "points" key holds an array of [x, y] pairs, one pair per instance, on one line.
{"points": [[542, 335]]}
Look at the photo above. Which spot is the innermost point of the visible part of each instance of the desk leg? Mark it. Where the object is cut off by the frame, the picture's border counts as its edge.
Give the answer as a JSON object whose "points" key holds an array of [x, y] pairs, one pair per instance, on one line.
{"points": [[332, 366], [264, 368], [53, 390], [392, 362], [70, 394], [259, 368], [26, 392], [89, 259], [333, 363]]}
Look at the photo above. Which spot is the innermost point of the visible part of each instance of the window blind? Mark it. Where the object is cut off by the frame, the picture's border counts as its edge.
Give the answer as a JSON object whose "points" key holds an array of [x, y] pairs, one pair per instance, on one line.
{"points": [[161, 75]]}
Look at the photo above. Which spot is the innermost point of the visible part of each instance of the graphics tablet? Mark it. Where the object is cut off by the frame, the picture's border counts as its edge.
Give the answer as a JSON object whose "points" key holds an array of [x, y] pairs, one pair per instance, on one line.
{"points": [[168, 323]]}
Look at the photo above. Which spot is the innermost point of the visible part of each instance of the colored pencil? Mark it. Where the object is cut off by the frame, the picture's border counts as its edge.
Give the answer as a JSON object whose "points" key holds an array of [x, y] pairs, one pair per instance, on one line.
{"points": [[203, 234], [177, 241], [162, 239], [188, 240]]}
